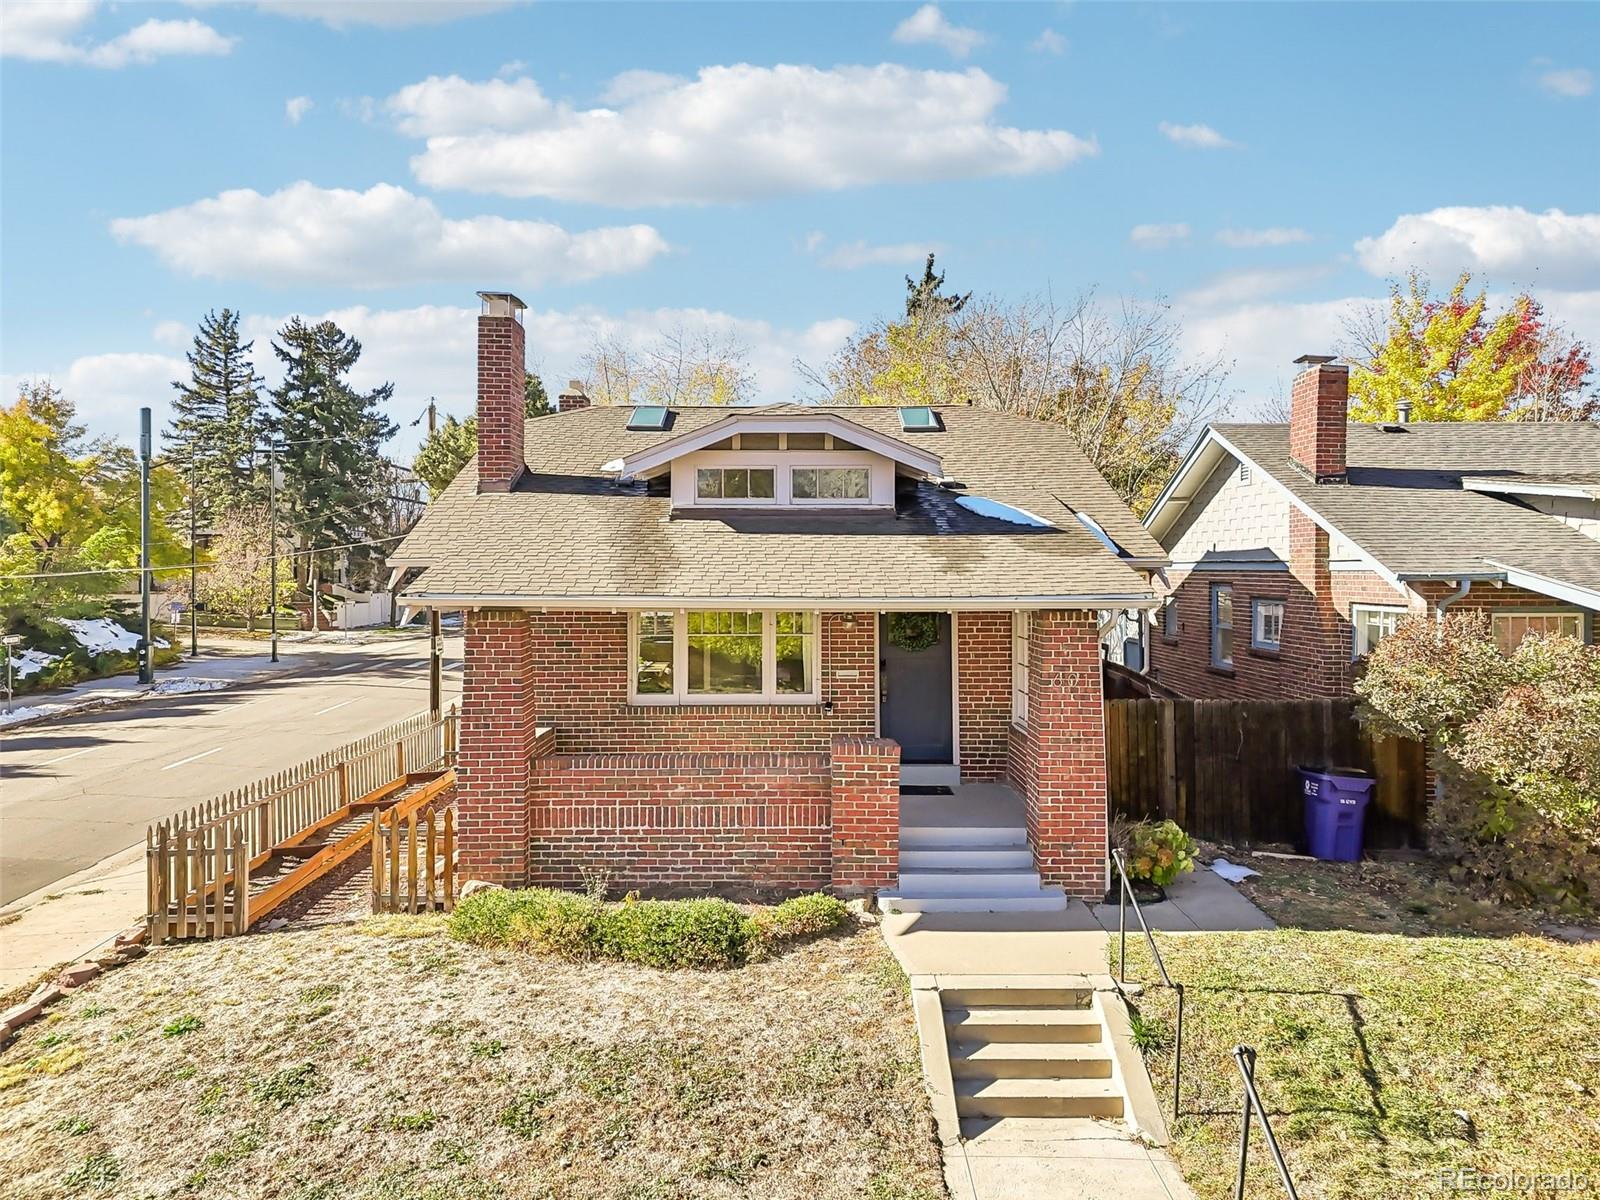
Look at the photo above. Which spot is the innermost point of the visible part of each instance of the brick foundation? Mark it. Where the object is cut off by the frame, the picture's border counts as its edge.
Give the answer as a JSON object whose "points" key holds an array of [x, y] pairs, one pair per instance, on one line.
{"points": [[865, 790]]}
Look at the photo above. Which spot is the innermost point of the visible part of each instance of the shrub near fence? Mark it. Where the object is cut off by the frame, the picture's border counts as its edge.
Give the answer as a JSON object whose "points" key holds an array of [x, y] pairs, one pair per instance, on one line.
{"points": [[1225, 769]]}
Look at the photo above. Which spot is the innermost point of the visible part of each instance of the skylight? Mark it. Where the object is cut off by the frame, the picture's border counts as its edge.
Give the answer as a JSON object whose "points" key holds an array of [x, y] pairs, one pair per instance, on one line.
{"points": [[649, 416], [920, 420]]}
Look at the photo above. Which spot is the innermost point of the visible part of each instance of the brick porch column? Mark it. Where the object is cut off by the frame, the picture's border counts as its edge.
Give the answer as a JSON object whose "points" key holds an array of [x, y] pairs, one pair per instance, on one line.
{"points": [[1064, 788], [866, 812], [497, 741]]}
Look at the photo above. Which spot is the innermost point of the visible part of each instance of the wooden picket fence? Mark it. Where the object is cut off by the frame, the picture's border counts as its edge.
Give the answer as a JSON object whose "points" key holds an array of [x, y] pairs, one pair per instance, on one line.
{"points": [[1225, 769], [414, 858], [198, 861]]}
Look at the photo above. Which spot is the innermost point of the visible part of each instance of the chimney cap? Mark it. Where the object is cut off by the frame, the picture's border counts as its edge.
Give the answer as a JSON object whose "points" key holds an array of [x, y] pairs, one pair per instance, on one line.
{"points": [[500, 304], [574, 388], [1316, 360]]}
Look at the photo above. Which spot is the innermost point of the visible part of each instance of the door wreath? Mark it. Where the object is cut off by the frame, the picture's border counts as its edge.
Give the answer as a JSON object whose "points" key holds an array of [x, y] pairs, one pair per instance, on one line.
{"points": [[913, 631]]}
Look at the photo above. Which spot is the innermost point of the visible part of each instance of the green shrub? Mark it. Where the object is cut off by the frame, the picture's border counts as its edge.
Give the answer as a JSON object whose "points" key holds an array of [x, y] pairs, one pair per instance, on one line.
{"points": [[702, 934]]}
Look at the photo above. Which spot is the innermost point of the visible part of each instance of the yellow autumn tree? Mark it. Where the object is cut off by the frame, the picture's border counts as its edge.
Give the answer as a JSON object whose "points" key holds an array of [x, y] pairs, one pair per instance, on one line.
{"points": [[1451, 358]]}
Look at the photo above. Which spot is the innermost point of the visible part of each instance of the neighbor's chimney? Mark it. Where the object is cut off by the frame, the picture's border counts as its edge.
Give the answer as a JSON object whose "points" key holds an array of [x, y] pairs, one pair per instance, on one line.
{"points": [[1402, 411], [502, 369], [1319, 404], [572, 397]]}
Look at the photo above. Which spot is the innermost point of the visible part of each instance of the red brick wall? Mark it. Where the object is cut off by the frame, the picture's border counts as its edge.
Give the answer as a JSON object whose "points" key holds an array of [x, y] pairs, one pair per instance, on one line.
{"points": [[495, 744], [502, 365], [983, 692], [1059, 762], [866, 812], [580, 679], [682, 823], [1318, 404]]}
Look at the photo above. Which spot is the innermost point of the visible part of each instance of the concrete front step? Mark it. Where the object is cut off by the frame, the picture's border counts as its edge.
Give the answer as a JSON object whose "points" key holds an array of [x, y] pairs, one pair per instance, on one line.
{"points": [[1038, 1098], [917, 837], [985, 858], [1022, 1023], [966, 882], [1049, 898], [995, 995], [1029, 1060]]}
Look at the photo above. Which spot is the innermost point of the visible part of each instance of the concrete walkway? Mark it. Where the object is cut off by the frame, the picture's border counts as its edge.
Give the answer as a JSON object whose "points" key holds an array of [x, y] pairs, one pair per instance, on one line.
{"points": [[1199, 902]]}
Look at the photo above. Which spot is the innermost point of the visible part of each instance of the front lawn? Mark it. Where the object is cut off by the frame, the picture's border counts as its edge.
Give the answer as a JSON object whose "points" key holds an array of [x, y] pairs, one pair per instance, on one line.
{"points": [[385, 1059], [1385, 1057]]}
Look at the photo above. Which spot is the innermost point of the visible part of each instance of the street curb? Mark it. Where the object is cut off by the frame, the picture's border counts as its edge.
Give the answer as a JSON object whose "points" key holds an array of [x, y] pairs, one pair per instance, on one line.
{"points": [[89, 706]]}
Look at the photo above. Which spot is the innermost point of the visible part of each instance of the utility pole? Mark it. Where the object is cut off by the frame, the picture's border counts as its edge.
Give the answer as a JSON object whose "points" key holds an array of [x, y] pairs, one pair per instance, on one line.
{"points": [[272, 544], [433, 415], [194, 566], [435, 662], [147, 665]]}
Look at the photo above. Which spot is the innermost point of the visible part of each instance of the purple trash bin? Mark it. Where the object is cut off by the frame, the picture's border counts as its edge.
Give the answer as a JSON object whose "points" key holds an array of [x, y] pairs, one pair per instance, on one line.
{"points": [[1336, 808]]}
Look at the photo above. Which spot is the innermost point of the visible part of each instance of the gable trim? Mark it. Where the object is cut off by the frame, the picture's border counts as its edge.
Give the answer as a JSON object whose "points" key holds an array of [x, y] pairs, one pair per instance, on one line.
{"points": [[868, 439], [1556, 589]]}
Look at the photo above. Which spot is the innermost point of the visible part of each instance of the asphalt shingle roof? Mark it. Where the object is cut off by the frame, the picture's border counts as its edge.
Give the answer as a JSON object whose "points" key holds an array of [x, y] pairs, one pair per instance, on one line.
{"points": [[571, 530], [1403, 502]]}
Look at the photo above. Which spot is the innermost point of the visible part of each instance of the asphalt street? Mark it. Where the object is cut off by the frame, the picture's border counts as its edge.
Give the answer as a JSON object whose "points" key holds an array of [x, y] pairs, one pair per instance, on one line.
{"points": [[78, 789]]}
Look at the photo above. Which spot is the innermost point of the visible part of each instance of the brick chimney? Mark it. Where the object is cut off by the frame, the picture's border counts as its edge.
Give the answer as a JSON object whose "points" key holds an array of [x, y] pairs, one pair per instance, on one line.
{"points": [[502, 367], [572, 397], [1319, 404]]}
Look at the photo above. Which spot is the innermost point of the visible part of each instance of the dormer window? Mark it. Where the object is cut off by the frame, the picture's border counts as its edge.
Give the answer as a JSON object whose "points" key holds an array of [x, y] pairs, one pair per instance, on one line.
{"points": [[734, 483], [830, 483]]}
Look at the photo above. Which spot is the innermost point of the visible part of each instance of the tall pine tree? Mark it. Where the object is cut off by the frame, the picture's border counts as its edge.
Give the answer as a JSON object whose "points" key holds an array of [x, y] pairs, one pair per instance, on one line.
{"points": [[218, 420], [335, 480]]}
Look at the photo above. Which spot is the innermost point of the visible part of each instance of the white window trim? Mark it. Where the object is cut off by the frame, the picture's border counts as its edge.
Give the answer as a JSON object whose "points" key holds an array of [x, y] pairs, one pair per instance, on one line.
{"points": [[1170, 625], [681, 696], [1216, 626], [847, 501], [1356, 610], [735, 501], [1543, 611], [1256, 604], [1021, 654]]}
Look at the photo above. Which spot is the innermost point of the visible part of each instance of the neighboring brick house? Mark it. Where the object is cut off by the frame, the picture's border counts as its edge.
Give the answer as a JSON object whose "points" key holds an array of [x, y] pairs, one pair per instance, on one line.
{"points": [[1296, 547], [706, 647]]}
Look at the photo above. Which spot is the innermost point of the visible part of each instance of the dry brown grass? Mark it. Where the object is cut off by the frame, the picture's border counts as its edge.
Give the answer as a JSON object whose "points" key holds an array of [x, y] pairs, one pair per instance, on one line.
{"points": [[384, 1060]]}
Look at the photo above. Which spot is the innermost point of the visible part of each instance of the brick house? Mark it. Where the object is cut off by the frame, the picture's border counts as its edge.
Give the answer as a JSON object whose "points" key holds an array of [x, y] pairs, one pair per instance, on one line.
{"points": [[707, 647], [1296, 547]]}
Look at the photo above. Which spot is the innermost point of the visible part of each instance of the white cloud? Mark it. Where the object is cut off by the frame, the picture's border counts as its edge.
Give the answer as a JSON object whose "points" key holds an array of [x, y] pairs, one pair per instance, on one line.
{"points": [[109, 390], [850, 256], [172, 333], [296, 107], [1049, 42], [384, 14], [1251, 239], [1239, 287], [1570, 83], [928, 26], [384, 236], [1195, 137], [631, 85], [731, 134], [1158, 237], [54, 32], [1511, 245]]}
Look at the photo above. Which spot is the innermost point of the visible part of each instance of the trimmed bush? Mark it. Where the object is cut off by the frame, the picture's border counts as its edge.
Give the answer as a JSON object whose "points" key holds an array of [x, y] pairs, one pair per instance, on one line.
{"points": [[706, 934]]}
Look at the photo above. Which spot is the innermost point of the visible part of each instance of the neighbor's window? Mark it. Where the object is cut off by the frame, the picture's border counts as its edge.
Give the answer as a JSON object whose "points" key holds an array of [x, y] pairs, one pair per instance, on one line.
{"points": [[724, 653], [1370, 624], [1221, 625], [1511, 627], [733, 483], [1266, 624], [652, 654], [714, 656], [829, 483], [1020, 633], [1169, 618]]}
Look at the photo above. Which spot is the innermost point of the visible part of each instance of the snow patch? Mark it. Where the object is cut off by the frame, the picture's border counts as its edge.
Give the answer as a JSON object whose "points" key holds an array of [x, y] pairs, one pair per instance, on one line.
{"points": [[21, 714], [986, 507], [101, 634], [1232, 872], [31, 662], [179, 687]]}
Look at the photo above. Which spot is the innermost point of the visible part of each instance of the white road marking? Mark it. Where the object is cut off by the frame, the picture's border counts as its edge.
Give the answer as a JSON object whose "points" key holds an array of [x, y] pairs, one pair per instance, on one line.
{"points": [[192, 757], [331, 707], [350, 666], [50, 762]]}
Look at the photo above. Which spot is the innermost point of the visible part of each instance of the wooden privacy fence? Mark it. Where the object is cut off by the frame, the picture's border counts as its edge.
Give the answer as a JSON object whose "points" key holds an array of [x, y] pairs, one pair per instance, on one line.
{"points": [[1225, 769], [414, 858], [198, 862]]}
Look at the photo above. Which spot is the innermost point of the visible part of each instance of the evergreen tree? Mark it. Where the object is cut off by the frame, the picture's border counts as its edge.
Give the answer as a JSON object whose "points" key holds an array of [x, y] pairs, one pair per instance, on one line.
{"points": [[925, 297], [446, 450], [535, 400], [335, 480], [218, 420]]}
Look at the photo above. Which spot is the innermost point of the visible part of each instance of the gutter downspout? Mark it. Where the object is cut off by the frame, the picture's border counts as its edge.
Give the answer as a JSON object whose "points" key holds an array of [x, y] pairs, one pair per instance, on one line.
{"points": [[1463, 586]]}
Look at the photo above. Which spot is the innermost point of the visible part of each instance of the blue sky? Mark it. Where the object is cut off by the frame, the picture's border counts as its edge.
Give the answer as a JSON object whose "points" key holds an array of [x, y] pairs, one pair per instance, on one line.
{"points": [[770, 169]]}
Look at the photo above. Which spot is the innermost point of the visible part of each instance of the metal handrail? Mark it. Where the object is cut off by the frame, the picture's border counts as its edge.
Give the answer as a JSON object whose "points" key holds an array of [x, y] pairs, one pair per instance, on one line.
{"points": [[1124, 899], [1245, 1057]]}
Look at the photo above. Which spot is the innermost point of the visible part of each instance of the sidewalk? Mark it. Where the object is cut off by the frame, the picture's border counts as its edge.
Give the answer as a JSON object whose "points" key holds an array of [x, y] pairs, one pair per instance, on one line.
{"points": [[66, 920]]}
